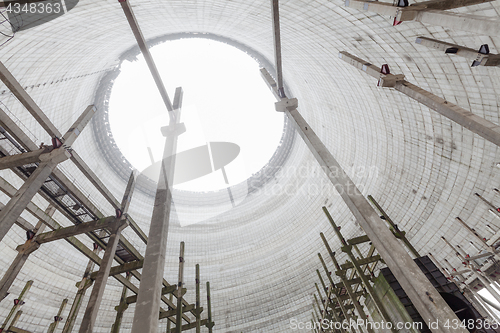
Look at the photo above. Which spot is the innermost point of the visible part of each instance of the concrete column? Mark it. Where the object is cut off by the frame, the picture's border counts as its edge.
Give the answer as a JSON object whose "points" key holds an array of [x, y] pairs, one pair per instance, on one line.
{"points": [[23, 196], [482, 127], [17, 304], [82, 286], [120, 309], [433, 13], [92, 310], [481, 57], [394, 228], [24, 252], [424, 296], [149, 297], [58, 318]]}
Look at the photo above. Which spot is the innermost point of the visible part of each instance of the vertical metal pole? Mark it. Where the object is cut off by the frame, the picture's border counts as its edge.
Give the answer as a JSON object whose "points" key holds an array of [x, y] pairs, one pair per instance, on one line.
{"points": [[178, 318], [198, 313], [101, 280], [209, 305], [17, 304], [58, 318]]}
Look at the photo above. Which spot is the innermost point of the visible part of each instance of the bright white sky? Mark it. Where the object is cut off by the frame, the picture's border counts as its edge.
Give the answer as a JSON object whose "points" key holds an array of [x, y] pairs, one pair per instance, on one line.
{"points": [[225, 99]]}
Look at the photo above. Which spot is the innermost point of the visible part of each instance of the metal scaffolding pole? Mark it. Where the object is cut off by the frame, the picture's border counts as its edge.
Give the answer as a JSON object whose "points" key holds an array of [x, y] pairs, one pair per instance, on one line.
{"points": [[210, 323], [481, 57]]}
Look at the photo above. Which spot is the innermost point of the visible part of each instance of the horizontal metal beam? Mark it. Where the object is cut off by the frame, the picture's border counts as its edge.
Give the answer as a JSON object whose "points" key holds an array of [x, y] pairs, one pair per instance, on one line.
{"points": [[104, 223]]}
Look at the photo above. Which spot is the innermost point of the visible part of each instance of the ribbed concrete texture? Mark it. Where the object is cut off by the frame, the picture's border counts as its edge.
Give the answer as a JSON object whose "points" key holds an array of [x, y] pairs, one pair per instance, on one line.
{"points": [[261, 256]]}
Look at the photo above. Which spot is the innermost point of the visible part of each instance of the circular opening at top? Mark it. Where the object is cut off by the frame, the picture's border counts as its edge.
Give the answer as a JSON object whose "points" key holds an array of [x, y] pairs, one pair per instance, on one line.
{"points": [[232, 129]]}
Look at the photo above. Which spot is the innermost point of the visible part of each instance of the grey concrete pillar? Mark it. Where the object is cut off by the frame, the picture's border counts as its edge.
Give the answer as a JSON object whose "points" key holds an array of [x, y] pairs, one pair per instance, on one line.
{"points": [[424, 296], [17, 304], [92, 310], [23, 196], [22, 256], [120, 309], [149, 297], [57, 318], [83, 285]]}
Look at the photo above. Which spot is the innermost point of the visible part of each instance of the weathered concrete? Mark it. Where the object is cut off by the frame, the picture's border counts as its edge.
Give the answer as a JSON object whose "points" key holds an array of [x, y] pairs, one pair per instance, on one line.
{"points": [[92, 310], [12, 314], [82, 286], [467, 119], [19, 261], [20, 200], [426, 299], [13, 161], [58, 318], [120, 309], [479, 57]]}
